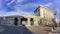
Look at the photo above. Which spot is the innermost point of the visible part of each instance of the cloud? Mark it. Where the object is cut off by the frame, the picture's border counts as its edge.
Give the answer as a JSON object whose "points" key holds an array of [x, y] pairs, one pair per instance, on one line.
{"points": [[19, 1], [0, 4], [50, 5], [27, 7], [54, 6], [2, 13], [21, 13], [20, 10], [58, 12], [11, 2], [26, 10]]}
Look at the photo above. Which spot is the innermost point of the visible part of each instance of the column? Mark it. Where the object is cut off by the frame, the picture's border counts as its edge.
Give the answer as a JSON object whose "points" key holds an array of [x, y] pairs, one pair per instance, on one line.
{"points": [[36, 21], [18, 21], [28, 22]]}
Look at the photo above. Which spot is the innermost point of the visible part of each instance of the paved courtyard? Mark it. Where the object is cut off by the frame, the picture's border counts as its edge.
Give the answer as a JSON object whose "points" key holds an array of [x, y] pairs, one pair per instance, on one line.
{"points": [[14, 30], [21, 30], [24, 30], [57, 30]]}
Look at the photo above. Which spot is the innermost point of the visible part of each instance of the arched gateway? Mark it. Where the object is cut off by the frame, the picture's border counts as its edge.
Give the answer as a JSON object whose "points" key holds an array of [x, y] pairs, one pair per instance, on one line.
{"points": [[23, 21], [16, 21]]}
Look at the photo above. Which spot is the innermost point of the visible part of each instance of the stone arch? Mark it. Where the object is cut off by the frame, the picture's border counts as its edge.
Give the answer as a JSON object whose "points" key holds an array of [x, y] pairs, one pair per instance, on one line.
{"points": [[32, 21], [15, 21], [23, 21]]}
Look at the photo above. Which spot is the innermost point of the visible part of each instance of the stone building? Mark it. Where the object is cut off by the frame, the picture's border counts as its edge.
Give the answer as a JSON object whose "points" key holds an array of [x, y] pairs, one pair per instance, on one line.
{"points": [[46, 15], [43, 16], [44, 12], [16, 20]]}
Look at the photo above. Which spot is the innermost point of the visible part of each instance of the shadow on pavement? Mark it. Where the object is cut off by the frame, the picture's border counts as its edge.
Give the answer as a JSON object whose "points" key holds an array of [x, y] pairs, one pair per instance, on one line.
{"points": [[15, 30], [26, 30]]}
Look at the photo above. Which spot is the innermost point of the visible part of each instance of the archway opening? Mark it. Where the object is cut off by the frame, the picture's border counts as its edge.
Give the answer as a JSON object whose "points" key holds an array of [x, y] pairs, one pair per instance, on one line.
{"points": [[16, 21], [23, 21], [31, 21]]}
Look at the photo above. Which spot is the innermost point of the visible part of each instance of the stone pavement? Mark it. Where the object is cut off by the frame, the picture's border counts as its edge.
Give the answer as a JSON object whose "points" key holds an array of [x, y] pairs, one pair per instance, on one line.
{"points": [[57, 30], [38, 30], [22, 30]]}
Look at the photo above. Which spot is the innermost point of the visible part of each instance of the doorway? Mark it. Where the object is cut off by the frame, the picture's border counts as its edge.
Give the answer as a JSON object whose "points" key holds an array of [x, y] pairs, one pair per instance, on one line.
{"points": [[23, 21], [31, 21], [16, 21]]}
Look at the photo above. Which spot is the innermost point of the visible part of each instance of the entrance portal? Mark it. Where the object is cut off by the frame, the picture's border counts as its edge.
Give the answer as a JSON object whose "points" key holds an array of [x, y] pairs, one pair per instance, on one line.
{"points": [[31, 21], [16, 21], [23, 21]]}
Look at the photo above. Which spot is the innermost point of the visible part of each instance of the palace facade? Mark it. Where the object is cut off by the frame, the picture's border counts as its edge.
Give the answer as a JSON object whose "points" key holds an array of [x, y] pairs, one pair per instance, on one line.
{"points": [[43, 16]]}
